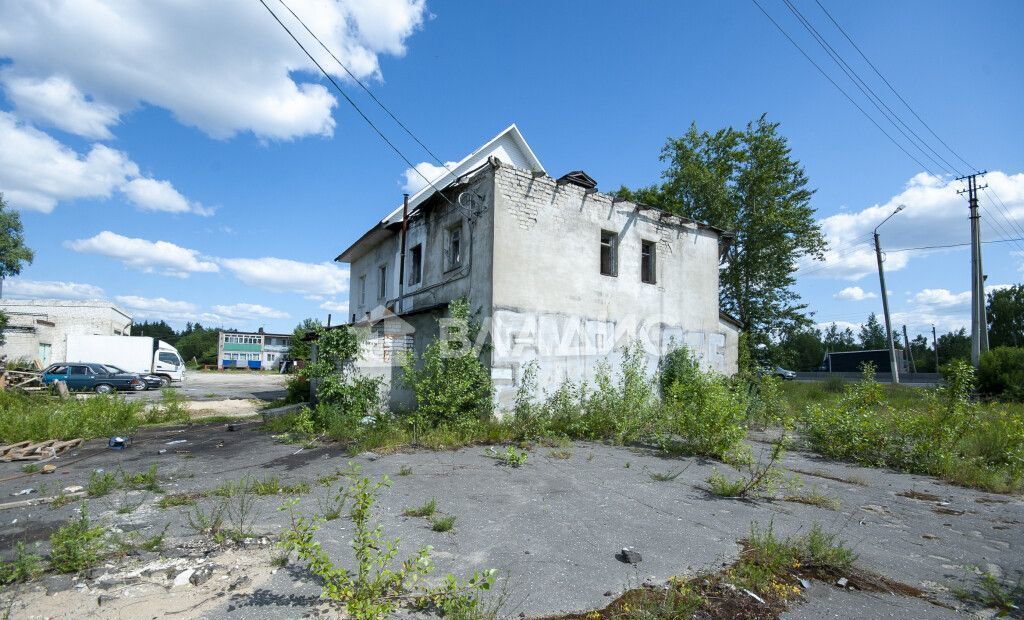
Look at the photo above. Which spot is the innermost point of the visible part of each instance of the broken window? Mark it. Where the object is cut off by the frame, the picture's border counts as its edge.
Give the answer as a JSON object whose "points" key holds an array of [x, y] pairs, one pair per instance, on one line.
{"points": [[609, 249], [382, 289], [454, 246], [416, 264], [647, 262]]}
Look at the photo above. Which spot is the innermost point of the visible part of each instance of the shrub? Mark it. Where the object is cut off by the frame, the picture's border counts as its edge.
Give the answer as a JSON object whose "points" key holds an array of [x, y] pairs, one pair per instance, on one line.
{"points": [[451, 385], [1001, 373], [23, 567], [77, 545], [298, 389], [39, 417], [701, 413]]}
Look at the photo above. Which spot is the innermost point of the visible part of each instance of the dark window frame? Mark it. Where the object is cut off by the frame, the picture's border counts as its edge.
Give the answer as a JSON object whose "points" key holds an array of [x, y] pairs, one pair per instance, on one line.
{"points": [[453, 247], [382, 284], [416, 264], [648, 262], [609, 254]]}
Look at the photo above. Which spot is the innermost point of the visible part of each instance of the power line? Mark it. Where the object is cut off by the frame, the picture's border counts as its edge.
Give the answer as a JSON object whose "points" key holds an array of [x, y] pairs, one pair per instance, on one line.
{"points": [[1005, 211], [866, 89], [356, 107], [838, 87], [887, 83], [952, 245], [367, 90]]}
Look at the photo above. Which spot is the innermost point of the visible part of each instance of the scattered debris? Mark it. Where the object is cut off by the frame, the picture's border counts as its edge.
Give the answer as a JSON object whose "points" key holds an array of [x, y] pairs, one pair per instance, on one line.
{"points": [[842, 582], [201, 575], [49, 468], [118, 443], [184, 577], [629, 555], [24, 492]]}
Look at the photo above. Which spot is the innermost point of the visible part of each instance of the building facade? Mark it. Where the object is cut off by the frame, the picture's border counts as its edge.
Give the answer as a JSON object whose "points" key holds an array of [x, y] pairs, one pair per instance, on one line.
{"points": [[255, 350], [559, 274], [37, 329]]}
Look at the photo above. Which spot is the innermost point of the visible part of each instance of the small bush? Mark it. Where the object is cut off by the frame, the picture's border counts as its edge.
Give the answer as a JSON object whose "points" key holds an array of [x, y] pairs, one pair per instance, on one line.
{"points": [[23, 567], [297, 387], [1001, 373], [442, 524], [101, 483], [77, 545], [426, 510]]}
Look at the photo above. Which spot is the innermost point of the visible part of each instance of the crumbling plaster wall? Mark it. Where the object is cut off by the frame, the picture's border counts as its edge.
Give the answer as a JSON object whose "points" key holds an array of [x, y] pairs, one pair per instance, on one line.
{"points": [[552, 304]]}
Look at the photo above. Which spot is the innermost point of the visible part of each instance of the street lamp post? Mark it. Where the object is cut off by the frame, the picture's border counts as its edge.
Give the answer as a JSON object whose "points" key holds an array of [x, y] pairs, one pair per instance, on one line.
{"points": [[885, 300]]}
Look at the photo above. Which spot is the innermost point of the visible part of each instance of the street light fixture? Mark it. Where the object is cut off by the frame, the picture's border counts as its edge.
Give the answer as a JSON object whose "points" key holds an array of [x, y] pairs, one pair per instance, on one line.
{"points": [[894, 369]]}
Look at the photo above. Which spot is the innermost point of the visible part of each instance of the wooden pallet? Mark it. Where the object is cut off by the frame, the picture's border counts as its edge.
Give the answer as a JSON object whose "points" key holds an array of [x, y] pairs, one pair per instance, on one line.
{"points": [[36, 450]]}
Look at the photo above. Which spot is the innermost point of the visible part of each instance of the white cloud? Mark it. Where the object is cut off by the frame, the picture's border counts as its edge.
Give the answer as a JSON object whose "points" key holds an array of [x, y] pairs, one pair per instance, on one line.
{"points": [[147, 256], [943, 298], [55, 100], [250, 311], [50, 289], [281, 275], [156, 305], [223, 67], [854, 293], [37, 172], [339, 307], [934, 215], [153, 195], [414, 181]]}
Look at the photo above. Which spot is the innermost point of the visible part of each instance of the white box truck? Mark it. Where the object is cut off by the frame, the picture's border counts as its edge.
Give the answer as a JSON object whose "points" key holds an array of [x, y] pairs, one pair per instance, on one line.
{"points": [[139, 354]]}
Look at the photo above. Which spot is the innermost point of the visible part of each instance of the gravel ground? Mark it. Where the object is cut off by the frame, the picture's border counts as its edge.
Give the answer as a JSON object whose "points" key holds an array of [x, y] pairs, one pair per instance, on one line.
{"points": [[551, 528]]}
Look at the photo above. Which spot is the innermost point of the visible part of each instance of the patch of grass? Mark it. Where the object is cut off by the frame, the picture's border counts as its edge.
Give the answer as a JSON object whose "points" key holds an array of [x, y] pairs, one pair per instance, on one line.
{"points": [[77, 545], [327, 480], [272, 485], [817, 473], [61, 499], [171, 408], [142, 480], [179, 499], [101, 483], [666, 476], [511, 457], [442, 524], [40, 416], [25, 566], [761, 476], [815, 498], [1004, 596], [30, 468], [405, 470], [560, 454], [426, 510]]}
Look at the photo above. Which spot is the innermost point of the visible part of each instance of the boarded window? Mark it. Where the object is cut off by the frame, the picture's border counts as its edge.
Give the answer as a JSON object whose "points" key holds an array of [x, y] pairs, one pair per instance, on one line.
{"points": [[416, 264], [647, 262], [382, 288], [609, 249]]}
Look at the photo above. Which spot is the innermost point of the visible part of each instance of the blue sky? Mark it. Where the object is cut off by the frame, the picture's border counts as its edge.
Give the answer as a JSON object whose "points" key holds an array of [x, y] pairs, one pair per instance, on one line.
{"points": [[122, 126]]}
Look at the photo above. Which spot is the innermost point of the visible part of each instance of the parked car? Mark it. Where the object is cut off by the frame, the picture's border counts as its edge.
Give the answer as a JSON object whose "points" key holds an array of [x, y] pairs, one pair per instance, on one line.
{"points": [[782, 373], [84, 376], [149, 382]]}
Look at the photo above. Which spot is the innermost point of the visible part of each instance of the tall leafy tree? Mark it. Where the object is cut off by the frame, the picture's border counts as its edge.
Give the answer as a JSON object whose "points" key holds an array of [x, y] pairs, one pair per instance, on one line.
{"points": [[299, 348], [14, 254], [802, 349], [837, 341], [954, 346], [745, 181], [1006, 317], [157, 329], [872, 334]]}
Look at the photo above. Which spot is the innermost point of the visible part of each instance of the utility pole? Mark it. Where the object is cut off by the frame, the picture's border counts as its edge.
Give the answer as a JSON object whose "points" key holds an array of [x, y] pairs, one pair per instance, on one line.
{"points": [[910, 352], [935, 347], [894, 369], [979, 322]]}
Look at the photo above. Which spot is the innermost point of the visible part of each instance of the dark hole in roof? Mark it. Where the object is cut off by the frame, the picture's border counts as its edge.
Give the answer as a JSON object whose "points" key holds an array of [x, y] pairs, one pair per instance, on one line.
{"points": [[578, 177]]}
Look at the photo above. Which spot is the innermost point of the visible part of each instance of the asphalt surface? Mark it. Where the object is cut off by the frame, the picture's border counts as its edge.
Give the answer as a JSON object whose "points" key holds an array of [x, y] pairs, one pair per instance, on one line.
{"points": [[552, 527], [208, 385]]}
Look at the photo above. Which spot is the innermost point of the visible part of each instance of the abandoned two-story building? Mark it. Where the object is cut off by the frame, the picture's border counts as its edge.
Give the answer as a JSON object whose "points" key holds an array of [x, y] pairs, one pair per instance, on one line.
{"points": [[557, 272]]}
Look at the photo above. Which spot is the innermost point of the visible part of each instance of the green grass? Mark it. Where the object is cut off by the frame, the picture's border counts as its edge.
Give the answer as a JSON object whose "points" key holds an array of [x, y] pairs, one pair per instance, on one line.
{"points": [[666, 476], [405, 470], [426, 510], [442, 524], [179, 499], [23, 567], [78, 545], [38, 417]]}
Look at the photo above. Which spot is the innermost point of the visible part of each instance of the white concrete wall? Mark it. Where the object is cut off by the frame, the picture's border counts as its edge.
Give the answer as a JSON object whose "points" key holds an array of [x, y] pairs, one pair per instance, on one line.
{"points": [[68, 317], [553, 305]]}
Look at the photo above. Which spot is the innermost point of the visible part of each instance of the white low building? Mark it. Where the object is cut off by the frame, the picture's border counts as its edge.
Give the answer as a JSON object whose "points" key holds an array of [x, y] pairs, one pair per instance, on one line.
{"points": [[37, 329]]}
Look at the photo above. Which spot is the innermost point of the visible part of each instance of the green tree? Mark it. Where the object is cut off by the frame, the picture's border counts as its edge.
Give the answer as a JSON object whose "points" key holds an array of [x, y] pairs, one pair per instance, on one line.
{"points": [[746, 182], [954, 346], [200, 344], [14, 254], [156, 329], [802, 350], [299, 348], [872, 334], [924, 355], [837, 341], [1006, 317]]}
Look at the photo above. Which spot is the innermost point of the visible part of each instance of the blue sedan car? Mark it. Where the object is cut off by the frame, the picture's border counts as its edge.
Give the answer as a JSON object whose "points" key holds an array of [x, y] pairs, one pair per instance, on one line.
{"points": [[81, 376]]}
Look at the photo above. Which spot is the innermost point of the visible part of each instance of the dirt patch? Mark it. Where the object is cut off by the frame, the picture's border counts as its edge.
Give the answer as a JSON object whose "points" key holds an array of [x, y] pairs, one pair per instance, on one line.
{"points": [[232, 407], [947, 511]]}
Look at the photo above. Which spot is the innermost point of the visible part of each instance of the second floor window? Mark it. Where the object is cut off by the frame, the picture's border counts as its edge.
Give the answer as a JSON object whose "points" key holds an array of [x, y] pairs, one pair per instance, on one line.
{"points": [[647, 262], [609, 249], [382, 290], [455, 246], [416, 264], [362, 290]]}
